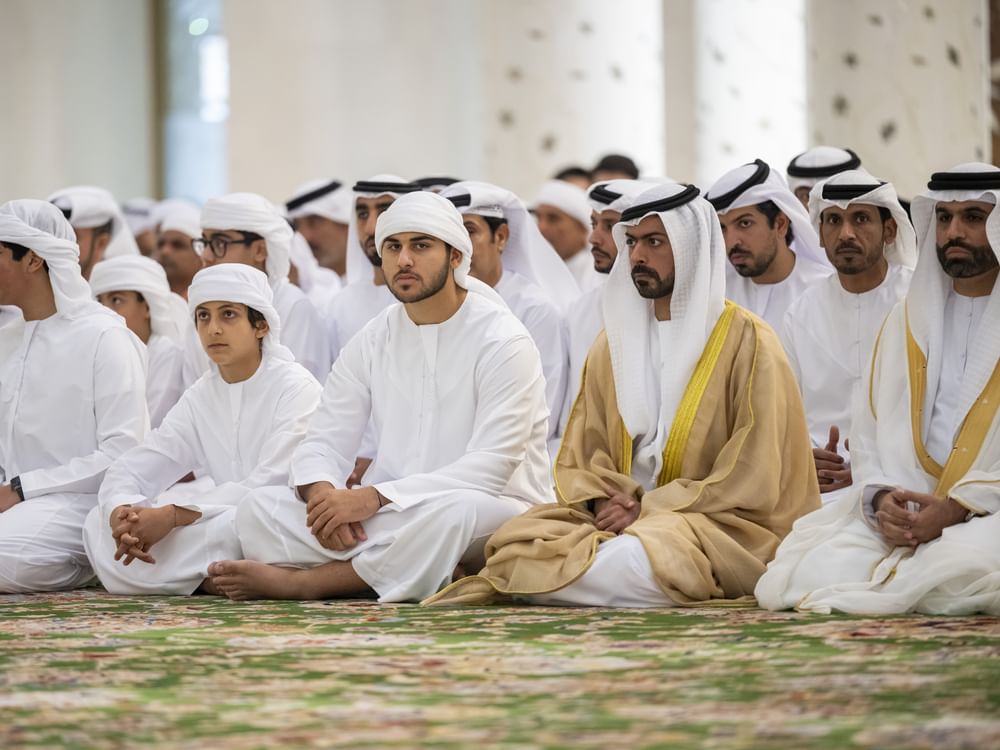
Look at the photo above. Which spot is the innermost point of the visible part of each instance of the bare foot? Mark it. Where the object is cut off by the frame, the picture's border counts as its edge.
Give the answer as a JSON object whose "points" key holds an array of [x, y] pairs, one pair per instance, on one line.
{"points": [[246, 579]]}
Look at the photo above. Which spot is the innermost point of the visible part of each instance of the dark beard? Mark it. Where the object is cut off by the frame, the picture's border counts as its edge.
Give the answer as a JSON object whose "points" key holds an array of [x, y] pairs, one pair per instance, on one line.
{"points": [[662, 287], [983, 259], [435, 285]]}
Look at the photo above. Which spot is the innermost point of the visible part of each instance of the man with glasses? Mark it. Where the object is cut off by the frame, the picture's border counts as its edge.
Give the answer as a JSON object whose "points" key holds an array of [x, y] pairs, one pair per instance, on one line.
{"points": [[246, 228]]}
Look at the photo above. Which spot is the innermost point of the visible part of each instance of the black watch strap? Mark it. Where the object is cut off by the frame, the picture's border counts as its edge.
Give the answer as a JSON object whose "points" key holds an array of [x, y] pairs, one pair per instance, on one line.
{"points": [[15, 484]]}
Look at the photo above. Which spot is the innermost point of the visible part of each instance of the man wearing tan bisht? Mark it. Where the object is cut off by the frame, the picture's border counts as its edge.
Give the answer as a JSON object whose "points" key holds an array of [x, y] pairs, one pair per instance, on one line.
{"points": [[686, 457]]}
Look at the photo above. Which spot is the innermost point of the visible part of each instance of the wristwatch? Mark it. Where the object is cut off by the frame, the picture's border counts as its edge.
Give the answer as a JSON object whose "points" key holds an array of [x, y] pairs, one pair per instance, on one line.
{"points": [[15, 484]]}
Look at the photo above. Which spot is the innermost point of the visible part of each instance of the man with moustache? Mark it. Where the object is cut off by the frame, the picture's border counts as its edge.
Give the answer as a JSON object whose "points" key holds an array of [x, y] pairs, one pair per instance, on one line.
{"points": [[585, 319], [685, 459], [918, 530], [365, 293], [773, 250], [829, 332]]}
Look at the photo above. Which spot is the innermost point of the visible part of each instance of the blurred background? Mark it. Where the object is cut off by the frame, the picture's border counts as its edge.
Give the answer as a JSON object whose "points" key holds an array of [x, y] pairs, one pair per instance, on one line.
{"points": [[193, 98]]}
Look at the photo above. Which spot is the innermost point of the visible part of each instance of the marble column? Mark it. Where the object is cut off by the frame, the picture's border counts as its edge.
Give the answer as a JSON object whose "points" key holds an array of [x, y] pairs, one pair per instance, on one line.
{"points": [[502, 91], [750, 83], [565, 83], [905, 83]]}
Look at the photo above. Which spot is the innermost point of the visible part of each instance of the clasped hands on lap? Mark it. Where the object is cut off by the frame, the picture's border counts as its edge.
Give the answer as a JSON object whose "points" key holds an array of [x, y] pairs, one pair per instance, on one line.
{"points": [[136, 529], [616, 512], [334, 515], [902, 527]]}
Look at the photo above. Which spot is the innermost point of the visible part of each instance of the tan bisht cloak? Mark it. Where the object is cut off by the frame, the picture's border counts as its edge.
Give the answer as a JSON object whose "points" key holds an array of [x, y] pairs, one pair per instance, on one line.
{"points": [[737, 472]]}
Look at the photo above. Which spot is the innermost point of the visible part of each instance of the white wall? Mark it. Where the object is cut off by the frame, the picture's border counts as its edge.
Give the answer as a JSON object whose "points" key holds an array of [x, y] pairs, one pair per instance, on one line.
{"points": [[77, 88]]}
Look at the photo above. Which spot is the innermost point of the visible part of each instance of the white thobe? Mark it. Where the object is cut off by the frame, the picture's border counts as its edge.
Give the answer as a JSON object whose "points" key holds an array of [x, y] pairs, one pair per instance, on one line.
{"points": [[771, 301], [460, 417], [351, 310], [302, 331], [542, 319], [835, 559], [828, 335], [302, 328], [242, 434], [164, 376], [72, 399], [326, 284], [581, 265], [584, 320]]}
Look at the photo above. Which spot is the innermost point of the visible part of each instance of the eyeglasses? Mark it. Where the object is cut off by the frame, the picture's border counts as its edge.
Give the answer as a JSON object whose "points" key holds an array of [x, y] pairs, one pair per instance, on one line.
{"points": [[219, 244]]}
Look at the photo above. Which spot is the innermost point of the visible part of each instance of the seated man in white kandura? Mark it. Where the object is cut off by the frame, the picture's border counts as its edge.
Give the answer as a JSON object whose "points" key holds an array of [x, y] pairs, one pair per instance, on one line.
{"points": [[241, 420], [72, 399], [453, 384], [919, 530]]}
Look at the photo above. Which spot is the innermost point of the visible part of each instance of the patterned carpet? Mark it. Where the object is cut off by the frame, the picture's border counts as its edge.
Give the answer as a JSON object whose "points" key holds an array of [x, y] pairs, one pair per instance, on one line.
{"points": [[86, 670]]}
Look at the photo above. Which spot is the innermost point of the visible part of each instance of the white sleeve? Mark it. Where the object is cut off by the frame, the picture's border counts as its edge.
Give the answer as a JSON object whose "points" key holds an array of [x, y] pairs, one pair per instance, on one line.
{"points": [[510, 398], [142, 473], [121, 416], [327, 454]]}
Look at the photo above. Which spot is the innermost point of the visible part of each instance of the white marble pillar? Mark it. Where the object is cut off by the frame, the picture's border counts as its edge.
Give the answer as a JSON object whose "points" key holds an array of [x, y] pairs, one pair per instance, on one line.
{"points": [[750, 83], [78, 91], [567, 82], [905, 83], [503, 91]]}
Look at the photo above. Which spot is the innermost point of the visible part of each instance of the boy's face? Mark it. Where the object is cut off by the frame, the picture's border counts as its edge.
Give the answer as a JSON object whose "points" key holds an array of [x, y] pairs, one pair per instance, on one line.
{"points": [[226, 333]]}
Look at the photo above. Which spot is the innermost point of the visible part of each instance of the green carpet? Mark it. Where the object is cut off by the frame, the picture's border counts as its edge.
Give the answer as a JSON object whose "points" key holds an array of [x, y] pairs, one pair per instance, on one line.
{"points": [[86, 670]]}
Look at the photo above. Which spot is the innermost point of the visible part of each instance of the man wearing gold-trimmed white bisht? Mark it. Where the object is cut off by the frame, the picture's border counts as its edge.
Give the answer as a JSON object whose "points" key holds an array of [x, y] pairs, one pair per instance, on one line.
{"points": [[919, 530], [686, 457]]}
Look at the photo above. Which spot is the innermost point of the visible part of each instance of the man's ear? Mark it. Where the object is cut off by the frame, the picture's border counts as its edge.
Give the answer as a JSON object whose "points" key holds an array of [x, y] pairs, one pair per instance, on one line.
{"points": [[889, 230], [503, 235], [35, 262], [456, 257], [260, 251], [261, 329], [781, 224]]}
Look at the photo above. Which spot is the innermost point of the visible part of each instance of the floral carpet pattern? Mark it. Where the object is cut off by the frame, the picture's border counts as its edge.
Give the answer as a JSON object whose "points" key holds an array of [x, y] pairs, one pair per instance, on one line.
{"points": [[88, 670]]}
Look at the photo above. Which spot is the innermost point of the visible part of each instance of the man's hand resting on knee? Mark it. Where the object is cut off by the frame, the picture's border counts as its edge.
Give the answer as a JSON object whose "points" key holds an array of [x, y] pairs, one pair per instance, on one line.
{"points": [[334, 516]]}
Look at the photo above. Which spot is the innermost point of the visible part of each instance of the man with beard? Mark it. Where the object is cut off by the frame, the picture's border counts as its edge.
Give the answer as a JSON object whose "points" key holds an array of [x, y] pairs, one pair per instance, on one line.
{"points": [[773, 250], [829, 332], [918, 531], [366, 293], [686, 456], [585, 319], [454, 386]]}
